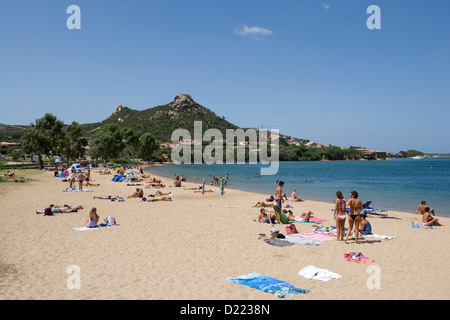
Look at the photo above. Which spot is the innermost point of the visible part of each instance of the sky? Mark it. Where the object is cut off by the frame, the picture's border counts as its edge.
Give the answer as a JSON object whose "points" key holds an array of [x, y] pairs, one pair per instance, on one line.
{"points": [[312, 69]]}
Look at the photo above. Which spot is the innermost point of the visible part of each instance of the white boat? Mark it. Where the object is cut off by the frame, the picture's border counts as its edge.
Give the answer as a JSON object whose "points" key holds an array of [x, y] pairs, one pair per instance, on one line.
{"points": [[418, 157]]}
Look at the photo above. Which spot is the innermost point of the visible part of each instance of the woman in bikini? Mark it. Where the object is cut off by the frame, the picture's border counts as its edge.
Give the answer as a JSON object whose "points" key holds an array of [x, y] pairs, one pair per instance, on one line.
{"points": [[355, 205], [339, 215]]}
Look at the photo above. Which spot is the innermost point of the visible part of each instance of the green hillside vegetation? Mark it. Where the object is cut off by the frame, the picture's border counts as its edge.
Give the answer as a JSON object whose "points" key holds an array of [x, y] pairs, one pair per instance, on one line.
{"points": [[161, 121], [133, 134]]}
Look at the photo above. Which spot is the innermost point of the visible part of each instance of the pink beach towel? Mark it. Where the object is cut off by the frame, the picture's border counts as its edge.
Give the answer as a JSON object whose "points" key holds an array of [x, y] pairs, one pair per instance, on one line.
{"points": [[315, 236], [357, 257]]}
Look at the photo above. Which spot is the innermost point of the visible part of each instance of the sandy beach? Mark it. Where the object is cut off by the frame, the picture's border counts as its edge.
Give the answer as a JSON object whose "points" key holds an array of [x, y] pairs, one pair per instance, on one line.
{"points": [[186, 248]]}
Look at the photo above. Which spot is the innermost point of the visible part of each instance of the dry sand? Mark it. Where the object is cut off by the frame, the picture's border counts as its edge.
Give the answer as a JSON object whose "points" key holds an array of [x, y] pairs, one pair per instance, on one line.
{"points": [[185, 249]]}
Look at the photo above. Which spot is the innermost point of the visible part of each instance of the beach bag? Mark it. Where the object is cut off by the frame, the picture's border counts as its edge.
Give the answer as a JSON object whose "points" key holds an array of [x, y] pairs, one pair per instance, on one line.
{"points": [[290, 229], [110, 221], [274, 233]]}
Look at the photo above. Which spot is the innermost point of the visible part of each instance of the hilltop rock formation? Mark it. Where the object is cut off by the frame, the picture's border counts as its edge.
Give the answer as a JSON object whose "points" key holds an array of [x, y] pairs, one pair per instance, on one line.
{"points": [[183, 101]]}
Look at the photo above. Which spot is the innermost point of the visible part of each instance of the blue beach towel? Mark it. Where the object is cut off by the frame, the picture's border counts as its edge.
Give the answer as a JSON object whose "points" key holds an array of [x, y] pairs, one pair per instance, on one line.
{"points": [[267, 284]]}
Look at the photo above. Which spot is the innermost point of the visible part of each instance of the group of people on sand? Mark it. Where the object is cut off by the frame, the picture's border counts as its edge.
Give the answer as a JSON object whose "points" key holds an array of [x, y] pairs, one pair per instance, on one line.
{"points": [[280, 197], [428, 215], [80, 178], [356, 218], [277, 215]]}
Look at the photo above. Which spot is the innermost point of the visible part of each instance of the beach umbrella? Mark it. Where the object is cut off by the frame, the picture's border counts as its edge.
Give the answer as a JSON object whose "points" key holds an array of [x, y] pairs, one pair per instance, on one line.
{"points": [[131, 171], [79, 169], [75, 165]]}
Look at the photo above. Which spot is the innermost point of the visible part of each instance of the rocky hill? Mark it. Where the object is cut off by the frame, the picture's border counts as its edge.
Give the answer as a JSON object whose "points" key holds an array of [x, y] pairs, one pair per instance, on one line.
{"points": [[162, 120]]}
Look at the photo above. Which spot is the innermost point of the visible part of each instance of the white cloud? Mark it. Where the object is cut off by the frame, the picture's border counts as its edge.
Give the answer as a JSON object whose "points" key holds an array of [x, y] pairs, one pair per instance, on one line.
{"points": [[325, 6], [246, 30]]}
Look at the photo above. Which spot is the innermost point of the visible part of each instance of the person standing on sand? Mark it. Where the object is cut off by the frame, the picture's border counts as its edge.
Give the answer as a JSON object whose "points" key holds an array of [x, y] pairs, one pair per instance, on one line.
{"points": [[339, 215], [81, 178], [279, 193], [422, 206], [355, 205]]}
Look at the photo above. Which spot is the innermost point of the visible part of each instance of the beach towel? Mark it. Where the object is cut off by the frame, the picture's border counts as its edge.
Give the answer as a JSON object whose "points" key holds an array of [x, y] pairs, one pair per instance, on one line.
{"points": [[295, 238], [118, 178], [304, 222], [378, 236], [312, 272], [278, 242], [315, 219], [267, 284], [357, 257], [419, 225], [328, 230], [316, 236], [76, 190], [100, 226]]}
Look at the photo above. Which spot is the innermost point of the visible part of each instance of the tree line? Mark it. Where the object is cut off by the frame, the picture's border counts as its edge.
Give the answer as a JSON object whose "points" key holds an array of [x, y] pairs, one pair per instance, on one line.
{"points": [[48, 137]]}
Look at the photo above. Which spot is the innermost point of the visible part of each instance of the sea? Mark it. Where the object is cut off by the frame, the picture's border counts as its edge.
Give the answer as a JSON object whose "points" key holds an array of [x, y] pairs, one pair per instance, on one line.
{"points": [[396, 184]]}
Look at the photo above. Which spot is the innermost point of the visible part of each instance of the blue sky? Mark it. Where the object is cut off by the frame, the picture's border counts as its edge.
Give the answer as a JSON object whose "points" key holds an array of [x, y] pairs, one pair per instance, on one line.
{"points": [[312, 69]]}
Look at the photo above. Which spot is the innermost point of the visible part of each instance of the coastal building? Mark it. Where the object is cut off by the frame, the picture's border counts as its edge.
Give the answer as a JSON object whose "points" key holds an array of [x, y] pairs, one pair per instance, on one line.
{"points": [[372, 154], [4, 146]]}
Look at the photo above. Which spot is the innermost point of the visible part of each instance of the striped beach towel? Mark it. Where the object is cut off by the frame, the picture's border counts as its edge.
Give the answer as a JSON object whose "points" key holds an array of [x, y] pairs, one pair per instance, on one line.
{"points": [[419, 225]]}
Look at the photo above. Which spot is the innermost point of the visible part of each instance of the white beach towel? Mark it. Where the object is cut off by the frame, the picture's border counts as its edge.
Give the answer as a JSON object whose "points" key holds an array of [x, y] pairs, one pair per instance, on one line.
{"points": [[378, 236], [312, 272], [98, 227], [76, 190]]}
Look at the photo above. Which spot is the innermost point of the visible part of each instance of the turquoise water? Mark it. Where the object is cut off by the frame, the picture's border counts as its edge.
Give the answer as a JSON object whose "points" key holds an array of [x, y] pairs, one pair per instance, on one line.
{"points": [[398, 184]]}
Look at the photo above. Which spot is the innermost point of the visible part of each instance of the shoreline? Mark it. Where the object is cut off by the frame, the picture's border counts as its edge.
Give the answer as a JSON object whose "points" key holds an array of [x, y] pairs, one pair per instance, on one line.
{"points": [[185, 249], [410, 210]]}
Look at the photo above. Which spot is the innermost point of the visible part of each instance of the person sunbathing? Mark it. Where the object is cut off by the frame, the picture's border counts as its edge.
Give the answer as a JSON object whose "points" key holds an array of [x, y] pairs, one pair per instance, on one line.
{"points": [[159, 199], [138, 194], [108, 197], [9, 174], [52, 209], [428, 220], [281, 216], [305, 217], [262, 204], [264, 217], [92, 221], [155, 185], [294, 196], [159, 193], [194, 188]]}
